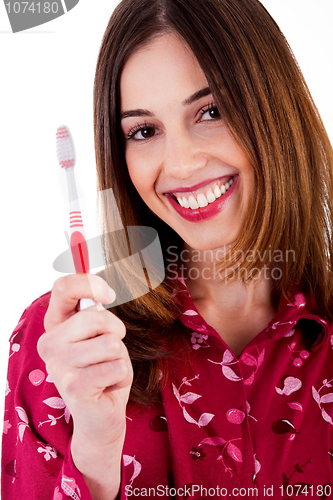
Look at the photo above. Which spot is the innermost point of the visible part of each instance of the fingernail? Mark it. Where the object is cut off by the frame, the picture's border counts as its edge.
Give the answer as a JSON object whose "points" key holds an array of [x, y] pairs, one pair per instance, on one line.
{"points": [[112, 295]]}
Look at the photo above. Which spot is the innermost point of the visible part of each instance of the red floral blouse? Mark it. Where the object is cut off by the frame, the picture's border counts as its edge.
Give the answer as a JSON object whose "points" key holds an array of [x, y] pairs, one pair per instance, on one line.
{"points": [[255, 427]]}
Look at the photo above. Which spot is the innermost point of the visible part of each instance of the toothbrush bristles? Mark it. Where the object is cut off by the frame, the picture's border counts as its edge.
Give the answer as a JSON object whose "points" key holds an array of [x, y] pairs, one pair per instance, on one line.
{"points": [[65, 147]]}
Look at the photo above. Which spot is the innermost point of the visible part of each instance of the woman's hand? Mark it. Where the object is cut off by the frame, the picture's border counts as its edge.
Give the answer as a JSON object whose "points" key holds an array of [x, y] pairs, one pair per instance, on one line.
{"points": [[90, 366]]}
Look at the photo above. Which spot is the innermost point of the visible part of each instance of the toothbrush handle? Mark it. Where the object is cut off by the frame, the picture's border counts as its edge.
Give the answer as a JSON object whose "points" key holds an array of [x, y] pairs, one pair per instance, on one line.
{"points": [[80, 252], [85, 303], [81, 261]]}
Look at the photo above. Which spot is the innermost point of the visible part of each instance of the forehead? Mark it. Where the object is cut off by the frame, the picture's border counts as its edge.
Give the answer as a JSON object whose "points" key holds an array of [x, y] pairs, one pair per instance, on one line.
{"points": [[164, 67]]}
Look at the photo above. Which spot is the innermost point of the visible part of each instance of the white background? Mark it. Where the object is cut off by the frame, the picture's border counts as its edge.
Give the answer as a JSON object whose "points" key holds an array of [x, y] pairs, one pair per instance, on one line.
{"points": [[46, 80]]}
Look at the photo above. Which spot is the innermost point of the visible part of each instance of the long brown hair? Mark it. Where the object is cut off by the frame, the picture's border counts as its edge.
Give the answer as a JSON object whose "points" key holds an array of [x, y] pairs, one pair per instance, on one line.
{"points": [[260, 91]]}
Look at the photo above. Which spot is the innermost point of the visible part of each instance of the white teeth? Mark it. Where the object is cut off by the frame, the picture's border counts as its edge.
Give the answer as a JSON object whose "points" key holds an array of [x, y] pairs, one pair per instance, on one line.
{"points": [[202, 200], [217, 191], [193, 202], [210, 197], [186, 203]]}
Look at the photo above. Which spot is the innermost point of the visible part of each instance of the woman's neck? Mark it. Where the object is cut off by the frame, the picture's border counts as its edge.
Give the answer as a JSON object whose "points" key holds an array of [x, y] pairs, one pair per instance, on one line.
{"points": [[238, 311]]}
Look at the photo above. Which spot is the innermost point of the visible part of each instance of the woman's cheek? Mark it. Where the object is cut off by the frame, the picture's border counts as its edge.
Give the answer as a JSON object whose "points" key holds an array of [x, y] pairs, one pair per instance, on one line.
{"points": [[140, 177], [143, 168]]}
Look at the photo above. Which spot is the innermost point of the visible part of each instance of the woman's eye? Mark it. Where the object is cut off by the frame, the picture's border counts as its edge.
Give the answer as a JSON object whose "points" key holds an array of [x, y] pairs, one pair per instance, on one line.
{"points": [[210, 114], [144, 133]]}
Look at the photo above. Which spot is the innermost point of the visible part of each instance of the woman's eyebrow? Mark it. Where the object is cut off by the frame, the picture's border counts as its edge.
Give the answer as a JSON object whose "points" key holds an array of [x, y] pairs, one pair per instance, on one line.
{"points": [[196, 96], [135, 112], [187, 102]]}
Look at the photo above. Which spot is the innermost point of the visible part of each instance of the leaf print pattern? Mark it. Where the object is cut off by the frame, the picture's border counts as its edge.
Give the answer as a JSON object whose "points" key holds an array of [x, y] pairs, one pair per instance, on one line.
{"points": [[58, 404], [257, 467], [295, 406], [224, 446], [250, 360], [189, 398], [228, 359], [24, 421], [234, 452], [326, 398], [279, 323], [286, 480], [191, 318], [8, 390], [190, 312], [290, 333], [246, 358], [55, 402], [136, 464]]}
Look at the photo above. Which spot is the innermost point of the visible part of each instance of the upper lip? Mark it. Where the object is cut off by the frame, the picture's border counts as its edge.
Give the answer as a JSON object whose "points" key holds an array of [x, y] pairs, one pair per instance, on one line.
{"points": [[196, 186]]}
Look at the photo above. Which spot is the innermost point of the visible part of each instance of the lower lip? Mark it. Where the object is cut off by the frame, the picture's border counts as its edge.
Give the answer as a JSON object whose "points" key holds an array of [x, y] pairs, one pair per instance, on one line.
{"points": [[204, 213]]}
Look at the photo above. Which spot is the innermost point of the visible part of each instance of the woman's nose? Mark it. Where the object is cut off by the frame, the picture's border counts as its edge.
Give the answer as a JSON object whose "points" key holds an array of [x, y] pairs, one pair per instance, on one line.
{"points": [[183, 155]]}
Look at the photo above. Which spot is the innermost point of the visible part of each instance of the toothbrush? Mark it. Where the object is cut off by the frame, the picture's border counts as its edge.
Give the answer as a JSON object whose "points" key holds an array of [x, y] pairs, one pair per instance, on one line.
{"points": [[79, 249]]}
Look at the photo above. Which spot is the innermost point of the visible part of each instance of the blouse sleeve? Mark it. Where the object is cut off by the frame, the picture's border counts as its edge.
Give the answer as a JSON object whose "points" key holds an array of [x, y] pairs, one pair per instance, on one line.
{"points": [[36, 457]]}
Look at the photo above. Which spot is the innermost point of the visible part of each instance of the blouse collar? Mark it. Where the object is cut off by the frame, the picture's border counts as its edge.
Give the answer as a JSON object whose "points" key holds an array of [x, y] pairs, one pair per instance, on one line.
{"points": [[286, 318]]}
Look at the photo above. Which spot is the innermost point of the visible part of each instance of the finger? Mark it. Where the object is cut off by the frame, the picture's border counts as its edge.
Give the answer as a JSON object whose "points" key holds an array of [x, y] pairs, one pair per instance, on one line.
{"points": [[91, 323], [106, 347], [68, 290], [110, 376], [77, 329]]}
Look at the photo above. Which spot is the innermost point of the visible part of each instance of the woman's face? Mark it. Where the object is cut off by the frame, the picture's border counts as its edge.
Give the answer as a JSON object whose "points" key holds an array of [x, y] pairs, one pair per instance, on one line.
{"points": [[178, 146]]}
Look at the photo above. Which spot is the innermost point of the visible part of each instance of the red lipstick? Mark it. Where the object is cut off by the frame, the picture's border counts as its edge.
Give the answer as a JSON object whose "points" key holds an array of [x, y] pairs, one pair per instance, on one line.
{"points": [[200, 214]]}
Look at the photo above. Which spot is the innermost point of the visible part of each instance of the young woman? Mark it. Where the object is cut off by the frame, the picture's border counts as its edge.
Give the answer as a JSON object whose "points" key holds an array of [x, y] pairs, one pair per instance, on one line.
{"points": [[222, 386]]}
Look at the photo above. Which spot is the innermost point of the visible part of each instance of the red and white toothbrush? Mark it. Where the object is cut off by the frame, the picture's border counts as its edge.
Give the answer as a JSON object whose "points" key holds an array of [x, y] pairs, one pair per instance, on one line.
{"points": [[79, 249]]}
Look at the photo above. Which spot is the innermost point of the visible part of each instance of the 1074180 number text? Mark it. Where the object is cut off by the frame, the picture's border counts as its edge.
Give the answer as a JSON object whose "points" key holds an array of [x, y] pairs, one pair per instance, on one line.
{"points": [[307, 490], [32, 7]]}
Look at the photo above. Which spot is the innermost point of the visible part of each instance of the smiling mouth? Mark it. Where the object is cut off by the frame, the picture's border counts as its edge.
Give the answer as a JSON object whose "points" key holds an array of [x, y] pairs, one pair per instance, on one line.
{"points": [[204, 196]]}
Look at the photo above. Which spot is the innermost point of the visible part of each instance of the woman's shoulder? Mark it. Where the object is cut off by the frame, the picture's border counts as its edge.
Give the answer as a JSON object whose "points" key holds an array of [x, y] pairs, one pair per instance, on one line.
{"points": [[31, 324]]}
